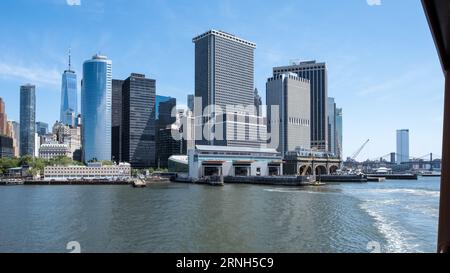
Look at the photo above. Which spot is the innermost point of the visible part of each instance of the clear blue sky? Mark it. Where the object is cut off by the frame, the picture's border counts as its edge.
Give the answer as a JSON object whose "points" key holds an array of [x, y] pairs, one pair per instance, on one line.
{"points": [[383, 66]]}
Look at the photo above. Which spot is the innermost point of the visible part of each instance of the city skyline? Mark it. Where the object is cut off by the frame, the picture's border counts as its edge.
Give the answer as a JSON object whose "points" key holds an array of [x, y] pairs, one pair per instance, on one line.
{"points": [[363, 78]]}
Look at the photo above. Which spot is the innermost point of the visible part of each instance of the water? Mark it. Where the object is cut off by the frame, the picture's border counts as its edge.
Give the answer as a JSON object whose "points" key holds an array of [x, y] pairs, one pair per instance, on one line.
{"points": [[400, 215]]}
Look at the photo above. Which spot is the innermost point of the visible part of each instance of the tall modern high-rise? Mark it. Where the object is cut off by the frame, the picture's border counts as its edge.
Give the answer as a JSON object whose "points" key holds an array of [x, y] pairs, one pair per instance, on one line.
{"points": [[27, 119], [291, 126], [164, 111], [96, 97], [402, 146], [3, 117], [339, 133], [224, 76], [224, 69], [331, 118], [138, 121], [69, 104], [316, 73], [116, 119]]}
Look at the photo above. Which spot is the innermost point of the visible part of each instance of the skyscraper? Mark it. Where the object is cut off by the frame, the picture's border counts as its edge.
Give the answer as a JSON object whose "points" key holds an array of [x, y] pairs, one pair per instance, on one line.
{"points": [[339, 133], [69, 105], [27, 119], [3, 117], [116, 132], [316, 73], [291, 94], [224, 76], [96, 93], [224, 69], [331, 118], [166, 146], [138, 120], [402, 146]]}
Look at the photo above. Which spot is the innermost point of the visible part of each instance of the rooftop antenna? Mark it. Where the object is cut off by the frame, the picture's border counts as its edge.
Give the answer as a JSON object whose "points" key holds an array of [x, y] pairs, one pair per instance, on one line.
{"points": [[70, 61]]}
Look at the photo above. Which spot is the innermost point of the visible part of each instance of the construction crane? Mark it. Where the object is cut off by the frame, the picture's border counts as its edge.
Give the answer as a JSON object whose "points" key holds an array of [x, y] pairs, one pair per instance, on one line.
{"points": [[356, 154]]}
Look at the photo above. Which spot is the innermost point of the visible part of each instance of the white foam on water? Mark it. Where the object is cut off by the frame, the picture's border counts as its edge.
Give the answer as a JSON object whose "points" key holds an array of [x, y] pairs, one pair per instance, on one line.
{"points": [[395, 236], [417, 192], [277, 190]]}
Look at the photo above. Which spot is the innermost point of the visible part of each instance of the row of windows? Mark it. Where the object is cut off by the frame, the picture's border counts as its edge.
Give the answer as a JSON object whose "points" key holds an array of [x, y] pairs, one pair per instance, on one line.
{"points": [[299, 121]]}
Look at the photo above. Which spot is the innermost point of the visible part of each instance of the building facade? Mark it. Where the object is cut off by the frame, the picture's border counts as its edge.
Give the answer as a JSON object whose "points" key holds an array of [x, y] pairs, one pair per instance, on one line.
{"points": [[41, 128], [317, 75], [138, 120], [27, 120], [224, 75], [339, 133], [96, 96], [116, 119], [331, 119], [121, 172], [402, 146], [69, 99], [208, 161], [190, 102], [6, 146], [3, 117], [288, 97], [52, 150]]}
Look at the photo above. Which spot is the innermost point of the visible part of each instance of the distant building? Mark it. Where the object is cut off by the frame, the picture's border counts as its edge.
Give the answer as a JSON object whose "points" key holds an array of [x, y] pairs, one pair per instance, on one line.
{"points": [[331, 119], [121, 172], [190, 102], [138, 120], [52, 150], [69, 97], [225, 79], [96, 97], [3, 117], [27, 120], [116, 118], [402, 146], [164, 107], [6, 146], [258, 102], [69, 136], [16, 138], [339, 133], [292, 126], [317, 75], [41, 128]]}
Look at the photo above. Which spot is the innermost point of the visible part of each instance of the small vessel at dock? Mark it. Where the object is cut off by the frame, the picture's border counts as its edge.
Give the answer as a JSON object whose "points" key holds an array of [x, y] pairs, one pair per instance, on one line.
{"points": [[138, 183]]}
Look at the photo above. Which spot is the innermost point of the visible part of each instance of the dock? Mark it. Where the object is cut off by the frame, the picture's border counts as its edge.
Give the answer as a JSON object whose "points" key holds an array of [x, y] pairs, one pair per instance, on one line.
{"points": [[395, 176], [269, 180], [342, 178]]}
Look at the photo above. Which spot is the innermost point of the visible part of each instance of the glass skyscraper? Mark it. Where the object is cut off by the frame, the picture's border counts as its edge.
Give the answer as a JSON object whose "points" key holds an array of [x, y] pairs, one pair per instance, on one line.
{"points": [[69, 105], [96, 99], [402, 146], [138, 121], [27, 119]]}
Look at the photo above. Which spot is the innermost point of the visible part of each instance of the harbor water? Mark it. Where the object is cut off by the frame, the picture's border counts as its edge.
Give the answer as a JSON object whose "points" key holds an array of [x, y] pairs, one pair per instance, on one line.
{"points": [[398, 216]]}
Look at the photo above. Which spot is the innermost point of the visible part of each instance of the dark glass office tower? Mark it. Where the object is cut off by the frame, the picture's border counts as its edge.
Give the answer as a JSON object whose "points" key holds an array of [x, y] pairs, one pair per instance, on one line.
{"points": [[27, 119], [166, 145], [316, 73], [116, 120], [138, 121]]}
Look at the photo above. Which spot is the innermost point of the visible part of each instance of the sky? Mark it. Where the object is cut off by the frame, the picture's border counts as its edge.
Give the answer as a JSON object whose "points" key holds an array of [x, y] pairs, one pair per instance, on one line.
{"points": [[382, 63]]}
